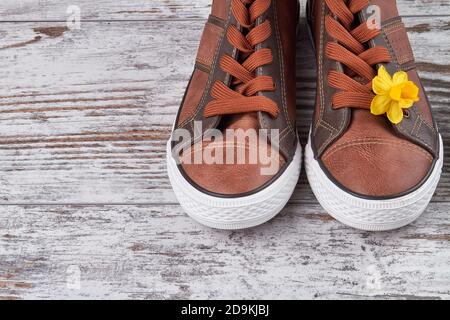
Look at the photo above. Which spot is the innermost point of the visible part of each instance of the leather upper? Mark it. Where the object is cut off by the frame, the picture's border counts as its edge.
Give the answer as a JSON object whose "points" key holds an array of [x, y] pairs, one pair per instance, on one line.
{"points": [[244, 178], [363, 153]]}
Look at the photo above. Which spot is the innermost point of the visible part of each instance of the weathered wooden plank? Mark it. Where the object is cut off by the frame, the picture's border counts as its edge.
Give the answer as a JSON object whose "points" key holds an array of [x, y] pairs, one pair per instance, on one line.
{"points": [[56, 10], [84, 114], [156, 252]]}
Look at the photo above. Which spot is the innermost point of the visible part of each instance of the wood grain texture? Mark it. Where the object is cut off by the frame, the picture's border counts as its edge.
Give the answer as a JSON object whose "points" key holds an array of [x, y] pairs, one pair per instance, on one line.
{"points": [[88, 112], [156, 252], [56, 10], [84, 117]]}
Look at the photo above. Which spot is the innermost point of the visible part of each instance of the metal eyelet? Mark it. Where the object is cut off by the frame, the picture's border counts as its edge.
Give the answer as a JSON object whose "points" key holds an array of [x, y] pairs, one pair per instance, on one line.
{"points": [[407, 114]]}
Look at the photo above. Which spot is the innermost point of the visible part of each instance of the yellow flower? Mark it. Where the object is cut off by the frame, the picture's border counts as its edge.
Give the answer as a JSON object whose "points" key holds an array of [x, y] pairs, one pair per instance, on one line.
{"points": [[393, 94]]}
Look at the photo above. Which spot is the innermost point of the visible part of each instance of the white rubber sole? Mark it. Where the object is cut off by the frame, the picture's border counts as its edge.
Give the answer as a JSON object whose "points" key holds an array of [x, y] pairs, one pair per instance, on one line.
{"points": [[235, 213], [370, 215]]}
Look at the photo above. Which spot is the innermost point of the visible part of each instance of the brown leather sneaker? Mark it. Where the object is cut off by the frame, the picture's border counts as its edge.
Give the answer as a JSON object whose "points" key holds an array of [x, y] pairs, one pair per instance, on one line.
{"points": [[375, 156], [234, 156]]}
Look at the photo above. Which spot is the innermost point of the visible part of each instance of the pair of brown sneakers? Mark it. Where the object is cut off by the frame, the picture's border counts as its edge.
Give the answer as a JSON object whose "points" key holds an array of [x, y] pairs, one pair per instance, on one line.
{"points": [[374, 156]]}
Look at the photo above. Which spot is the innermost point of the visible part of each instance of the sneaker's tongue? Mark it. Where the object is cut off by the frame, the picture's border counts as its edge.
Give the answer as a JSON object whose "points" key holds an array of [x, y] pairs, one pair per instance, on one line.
{"points": [[243, 121]]}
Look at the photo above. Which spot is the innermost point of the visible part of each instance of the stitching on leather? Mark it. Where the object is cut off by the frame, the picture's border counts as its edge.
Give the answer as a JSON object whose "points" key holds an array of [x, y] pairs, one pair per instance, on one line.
{"points": [[426, 123], [405, 58], [326, 142], [224, 144], [202, 67], [321, 57], [283, 134], [321, 122], [414, 126], [417, 134], [280, 139], [419, 125], [409, 65], [280, 54], [327, 126], [415, 131], [332, 132], [363, 139], [217, 21], [202, 59], [397, 65], [391, 51], [392, 28], [227, 144], [391, 31], [230, 144], [259, 73], [391, 21], [213, 68], [395, 144]]}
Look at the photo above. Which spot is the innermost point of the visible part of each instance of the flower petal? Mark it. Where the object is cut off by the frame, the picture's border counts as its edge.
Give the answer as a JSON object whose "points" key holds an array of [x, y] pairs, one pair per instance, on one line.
{"points": [[382, 83], [396, 93], [406, 103], [400, 77], [395, 113], [380, 104], [410, 91], [380, 86], [382, 73]]}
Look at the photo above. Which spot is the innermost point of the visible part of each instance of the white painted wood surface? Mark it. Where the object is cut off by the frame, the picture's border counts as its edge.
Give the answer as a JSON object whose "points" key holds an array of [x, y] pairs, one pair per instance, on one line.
{"points": [[84, 116], [56, 10], [156, 252]]}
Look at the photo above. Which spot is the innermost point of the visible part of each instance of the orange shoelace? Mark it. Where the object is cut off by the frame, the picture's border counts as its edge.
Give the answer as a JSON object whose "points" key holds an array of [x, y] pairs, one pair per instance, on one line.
{"points": [[351, 52], [242, 96]]}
